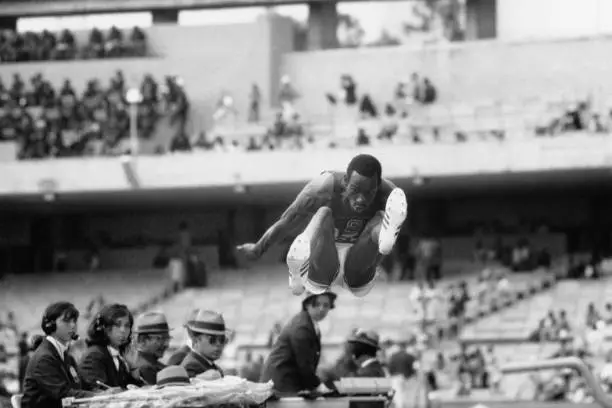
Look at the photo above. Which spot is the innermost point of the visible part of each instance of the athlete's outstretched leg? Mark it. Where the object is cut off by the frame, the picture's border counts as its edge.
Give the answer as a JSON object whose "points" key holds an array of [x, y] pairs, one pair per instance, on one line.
{"points": [[376, 240], [313, 258]]}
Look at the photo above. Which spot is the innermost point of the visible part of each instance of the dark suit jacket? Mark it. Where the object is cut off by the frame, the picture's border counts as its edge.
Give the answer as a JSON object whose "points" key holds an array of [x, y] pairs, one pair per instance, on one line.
{"points": [[178, 356], [147, 366], [97, 364], [49, 379], [293, 360], [402, 362], [195, 364], [372, 369]]}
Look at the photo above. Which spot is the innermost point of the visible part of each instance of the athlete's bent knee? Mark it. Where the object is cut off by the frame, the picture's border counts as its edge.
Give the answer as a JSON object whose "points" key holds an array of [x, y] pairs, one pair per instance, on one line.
{"points": [[361, 291], [324, 212], [360, 283]]}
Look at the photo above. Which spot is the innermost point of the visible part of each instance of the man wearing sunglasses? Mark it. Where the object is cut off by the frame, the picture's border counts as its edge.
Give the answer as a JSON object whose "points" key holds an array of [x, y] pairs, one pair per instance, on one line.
{"points": [[208, 338]]}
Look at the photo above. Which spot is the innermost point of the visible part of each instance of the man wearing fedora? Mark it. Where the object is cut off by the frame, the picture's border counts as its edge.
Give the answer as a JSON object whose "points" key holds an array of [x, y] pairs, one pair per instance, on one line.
{"points": [[208, 338], [293, 360], [363, 348], [152, 340], [179, 355]]}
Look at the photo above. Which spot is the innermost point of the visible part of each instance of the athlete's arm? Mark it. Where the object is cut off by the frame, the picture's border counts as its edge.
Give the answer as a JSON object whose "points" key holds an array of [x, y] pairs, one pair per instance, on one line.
{"points": [[316, 194]]}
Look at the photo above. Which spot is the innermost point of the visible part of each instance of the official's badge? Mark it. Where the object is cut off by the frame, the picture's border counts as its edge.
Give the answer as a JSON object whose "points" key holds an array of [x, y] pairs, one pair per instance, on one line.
{"points": [[74, 373]]}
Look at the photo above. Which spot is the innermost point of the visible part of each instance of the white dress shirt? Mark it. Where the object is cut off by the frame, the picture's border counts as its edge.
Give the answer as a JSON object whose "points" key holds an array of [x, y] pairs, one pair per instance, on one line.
{"points": [[61, 349]]}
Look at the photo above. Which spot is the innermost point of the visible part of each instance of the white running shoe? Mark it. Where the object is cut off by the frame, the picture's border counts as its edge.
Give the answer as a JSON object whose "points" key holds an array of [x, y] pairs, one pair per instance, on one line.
{"points": [[298, 261], [396, 211]]}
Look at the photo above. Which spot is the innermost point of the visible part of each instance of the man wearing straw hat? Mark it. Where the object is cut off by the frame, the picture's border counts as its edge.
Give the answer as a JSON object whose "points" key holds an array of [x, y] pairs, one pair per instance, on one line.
{"points": [[208, 337], [179, 355], [172, 376], [153, 337], [293, 360]]}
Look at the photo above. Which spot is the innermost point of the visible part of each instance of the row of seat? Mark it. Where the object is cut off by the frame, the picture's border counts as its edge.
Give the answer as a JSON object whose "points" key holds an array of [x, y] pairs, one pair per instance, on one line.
{"points": [[28, 295], [440, 122], [252, 302], [518, 322]]}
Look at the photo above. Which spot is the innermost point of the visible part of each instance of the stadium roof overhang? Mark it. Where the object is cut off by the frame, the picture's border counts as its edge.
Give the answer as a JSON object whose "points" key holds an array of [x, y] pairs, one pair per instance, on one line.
{"points": [[33, 8], [592, 181]]}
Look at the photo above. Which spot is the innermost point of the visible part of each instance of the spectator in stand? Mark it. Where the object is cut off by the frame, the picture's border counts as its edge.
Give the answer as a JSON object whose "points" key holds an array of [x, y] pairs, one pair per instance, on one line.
{"points": [[225, 108], [177, 104], [139, 42], [349, 90], [608, 314], [563, 324], [95, 48], [592, 317], [400, 97], [429, 92], [254, 104], [180, 143], [287, 97], [114, 43]]}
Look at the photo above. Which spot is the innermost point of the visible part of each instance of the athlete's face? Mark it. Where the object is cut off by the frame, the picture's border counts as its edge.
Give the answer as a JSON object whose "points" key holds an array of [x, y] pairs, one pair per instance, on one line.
{"points": [[360, 191]]}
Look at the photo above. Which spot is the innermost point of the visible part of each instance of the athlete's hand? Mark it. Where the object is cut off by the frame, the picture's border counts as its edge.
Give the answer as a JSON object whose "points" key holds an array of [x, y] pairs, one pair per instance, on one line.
{"points": [[251, 251]]}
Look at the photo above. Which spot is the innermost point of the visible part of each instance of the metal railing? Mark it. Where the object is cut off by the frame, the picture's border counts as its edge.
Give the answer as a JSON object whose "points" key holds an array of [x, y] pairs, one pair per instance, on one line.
{"points": [[568, 362]]}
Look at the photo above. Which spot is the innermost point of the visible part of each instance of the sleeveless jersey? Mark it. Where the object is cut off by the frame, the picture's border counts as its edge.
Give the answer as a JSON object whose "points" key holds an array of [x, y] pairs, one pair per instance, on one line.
{"points": [[350, 224]]}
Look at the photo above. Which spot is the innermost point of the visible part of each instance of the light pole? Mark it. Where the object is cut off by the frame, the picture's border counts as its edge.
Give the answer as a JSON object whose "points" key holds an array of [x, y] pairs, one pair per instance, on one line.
{"points": [[134, 98]]}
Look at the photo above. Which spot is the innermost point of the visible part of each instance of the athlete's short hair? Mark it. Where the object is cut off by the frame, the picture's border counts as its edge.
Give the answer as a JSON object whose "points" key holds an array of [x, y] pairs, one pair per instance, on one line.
{"points": [[366, 165]]}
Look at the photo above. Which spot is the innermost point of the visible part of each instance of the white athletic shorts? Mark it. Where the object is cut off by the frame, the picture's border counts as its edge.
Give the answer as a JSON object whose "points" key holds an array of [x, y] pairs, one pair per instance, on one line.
{"points": [[343, 250]]}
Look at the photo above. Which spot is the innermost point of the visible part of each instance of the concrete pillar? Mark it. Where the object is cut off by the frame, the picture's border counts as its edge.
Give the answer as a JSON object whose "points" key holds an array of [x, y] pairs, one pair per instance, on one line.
{"points": [[481, 19], [322, 25], [165, 16]]}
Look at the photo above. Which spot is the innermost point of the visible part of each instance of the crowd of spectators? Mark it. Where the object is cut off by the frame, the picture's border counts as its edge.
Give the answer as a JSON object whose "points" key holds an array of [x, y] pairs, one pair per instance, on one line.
{"points": [[577, 117], [50, 122], [46, 46]]}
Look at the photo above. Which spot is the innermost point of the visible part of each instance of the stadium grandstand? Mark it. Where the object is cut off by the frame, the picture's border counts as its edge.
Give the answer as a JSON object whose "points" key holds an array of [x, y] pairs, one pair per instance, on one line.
{"points": [[143, 142]]}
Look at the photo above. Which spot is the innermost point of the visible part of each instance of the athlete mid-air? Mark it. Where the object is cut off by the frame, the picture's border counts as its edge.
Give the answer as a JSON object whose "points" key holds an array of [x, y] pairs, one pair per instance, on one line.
{"points": [[348, 221]]}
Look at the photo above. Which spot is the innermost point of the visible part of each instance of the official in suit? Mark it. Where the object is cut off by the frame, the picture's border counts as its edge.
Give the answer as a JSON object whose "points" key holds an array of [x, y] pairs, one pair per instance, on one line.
{"points": [[363, 348], [208, 338], [152, 340], [51, 373], [293, 360], [103, 364], [179, 355]]}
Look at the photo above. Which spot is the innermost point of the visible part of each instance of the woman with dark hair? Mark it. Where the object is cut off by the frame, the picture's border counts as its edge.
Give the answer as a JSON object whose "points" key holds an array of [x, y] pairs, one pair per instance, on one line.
{"points": [[51, 373], [109, 334]]}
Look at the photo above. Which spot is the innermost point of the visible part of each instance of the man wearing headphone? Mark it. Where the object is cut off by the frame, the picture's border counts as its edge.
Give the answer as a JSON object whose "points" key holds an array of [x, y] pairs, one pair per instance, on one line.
{"points": [[51, 373]]}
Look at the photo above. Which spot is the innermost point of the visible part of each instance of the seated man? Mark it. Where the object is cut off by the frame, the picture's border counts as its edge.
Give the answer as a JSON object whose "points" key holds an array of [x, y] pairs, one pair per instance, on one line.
{"points": [[352, 219], [152, 340], [363, 346], [51, 373], [208, 338]]}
